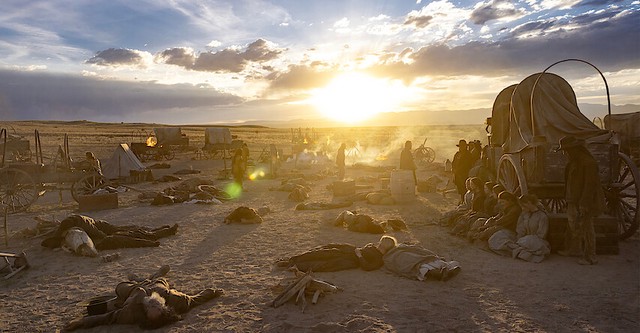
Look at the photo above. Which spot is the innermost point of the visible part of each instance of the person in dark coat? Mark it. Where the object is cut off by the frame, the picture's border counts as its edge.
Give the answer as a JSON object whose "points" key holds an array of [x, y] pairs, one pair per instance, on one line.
{"points": [[406, 160], [150, 303], [585, 200], [461, 164], [336, 257], [107, 236], [340, 161], [238, 167]]}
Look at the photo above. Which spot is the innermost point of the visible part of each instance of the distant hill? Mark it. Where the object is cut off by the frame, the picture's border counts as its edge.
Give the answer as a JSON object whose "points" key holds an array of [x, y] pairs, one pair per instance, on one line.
{"points": [[420, 118]]}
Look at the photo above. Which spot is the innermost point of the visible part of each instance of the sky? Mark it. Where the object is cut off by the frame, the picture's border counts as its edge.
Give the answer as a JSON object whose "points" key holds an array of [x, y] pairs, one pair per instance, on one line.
{"points": [[203, 61]]}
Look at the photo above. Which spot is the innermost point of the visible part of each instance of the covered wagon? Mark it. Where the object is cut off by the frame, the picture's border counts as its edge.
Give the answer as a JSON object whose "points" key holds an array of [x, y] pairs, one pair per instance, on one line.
{"points": [[528, 120]]}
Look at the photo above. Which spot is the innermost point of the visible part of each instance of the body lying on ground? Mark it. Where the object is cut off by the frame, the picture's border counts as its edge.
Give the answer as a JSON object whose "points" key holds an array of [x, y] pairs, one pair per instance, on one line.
{"points": [[416, 262], [149, 303], [107, 236], [336, 257]]}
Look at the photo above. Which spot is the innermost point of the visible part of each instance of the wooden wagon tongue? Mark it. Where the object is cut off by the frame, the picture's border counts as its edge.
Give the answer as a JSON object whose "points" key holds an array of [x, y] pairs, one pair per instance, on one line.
{"points": [[19, 263]]}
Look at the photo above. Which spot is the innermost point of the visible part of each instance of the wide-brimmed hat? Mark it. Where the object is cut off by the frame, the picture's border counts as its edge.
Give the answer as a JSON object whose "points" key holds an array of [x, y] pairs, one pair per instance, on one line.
{"points": [[462, 142], [569, 141]]}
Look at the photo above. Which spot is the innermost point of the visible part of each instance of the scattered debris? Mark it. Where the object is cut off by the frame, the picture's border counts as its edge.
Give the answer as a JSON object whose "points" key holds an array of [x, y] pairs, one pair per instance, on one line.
{"points": [[303, 284], [19, 263]]}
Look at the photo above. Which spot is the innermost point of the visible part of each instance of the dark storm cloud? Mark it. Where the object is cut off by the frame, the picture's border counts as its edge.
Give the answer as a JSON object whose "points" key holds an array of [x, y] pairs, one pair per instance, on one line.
{"points": [[597, 2], [117, 57], [419, 21], [228, 60], [29, 95], [611, 45], [177, 56], [300, 77], [492, 11]]}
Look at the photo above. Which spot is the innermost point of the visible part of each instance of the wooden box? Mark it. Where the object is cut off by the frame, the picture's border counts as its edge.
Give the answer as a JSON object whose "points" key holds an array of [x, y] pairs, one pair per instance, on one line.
{"points": [[343, 188], [97, 202]]}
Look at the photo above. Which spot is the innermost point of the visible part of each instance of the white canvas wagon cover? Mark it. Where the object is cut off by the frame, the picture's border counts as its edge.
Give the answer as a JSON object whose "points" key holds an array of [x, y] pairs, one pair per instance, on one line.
{"points": [[217, 135], [552, 113], [168, 135]]}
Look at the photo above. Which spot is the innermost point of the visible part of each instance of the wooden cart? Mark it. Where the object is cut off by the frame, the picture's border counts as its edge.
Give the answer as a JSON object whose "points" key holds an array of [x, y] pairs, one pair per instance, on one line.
{"points": [[528, 120], [21, 183]]}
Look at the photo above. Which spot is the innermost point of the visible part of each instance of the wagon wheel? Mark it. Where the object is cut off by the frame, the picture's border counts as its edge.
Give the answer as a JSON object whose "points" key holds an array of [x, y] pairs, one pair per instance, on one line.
{"points": [[87, 185], [623, 195], [555, 205], [17, 190], [511, 176], [169, 155], [424, 155]]}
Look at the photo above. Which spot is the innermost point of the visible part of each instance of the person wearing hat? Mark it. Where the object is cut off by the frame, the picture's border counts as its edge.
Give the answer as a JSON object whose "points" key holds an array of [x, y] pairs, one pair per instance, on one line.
{"points": [[585, 200], [462, 163]]}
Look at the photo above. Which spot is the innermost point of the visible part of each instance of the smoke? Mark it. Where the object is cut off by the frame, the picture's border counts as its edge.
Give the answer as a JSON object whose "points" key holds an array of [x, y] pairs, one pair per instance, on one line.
{"points": [[381, 146]]}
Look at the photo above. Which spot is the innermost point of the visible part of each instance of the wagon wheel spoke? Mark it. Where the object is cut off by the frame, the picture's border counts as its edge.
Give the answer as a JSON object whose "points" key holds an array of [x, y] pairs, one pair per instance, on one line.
{"points": [[622, 197], [17, 189], [87, 185]]}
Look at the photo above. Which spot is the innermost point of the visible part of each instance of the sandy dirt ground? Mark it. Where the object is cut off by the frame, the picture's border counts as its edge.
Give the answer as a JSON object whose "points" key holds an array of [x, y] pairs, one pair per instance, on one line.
{"points": [[491, 294]]}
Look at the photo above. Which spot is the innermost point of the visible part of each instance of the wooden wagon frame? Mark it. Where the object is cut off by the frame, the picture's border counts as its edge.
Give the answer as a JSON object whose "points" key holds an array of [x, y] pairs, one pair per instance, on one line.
{"points": [[532, 165], [21, 183]]}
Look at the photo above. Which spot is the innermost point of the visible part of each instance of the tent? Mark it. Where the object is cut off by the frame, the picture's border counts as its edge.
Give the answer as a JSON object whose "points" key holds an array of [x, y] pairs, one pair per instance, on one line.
{"points": [[121, 163]]}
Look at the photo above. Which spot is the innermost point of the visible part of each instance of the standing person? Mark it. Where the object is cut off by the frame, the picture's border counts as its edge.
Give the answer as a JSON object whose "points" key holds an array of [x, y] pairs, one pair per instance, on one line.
{"points": [[237, 167], [585, 200], [245, 156], [406, 160], [462, 163], [340, 161]]}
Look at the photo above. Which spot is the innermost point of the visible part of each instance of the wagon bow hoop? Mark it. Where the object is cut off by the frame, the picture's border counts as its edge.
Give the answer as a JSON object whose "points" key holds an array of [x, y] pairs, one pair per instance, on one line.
{"points": [[558, 62]]}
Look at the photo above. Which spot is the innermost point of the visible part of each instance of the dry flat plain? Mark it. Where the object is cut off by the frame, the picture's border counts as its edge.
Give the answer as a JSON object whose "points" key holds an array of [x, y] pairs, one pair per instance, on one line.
{"points": [[491, 294]]}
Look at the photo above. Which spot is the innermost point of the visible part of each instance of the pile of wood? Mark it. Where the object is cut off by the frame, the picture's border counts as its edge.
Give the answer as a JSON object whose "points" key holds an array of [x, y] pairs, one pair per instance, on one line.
{"points": [[302, 285]]}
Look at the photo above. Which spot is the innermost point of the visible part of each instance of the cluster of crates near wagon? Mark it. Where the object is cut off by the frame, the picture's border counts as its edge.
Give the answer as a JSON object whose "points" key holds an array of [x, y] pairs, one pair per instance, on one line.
{"points": [[527, 121]]}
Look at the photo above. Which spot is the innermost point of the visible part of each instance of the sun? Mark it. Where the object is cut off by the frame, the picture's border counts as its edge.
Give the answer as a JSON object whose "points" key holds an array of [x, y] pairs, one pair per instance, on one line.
{"points": [[353, 97]]}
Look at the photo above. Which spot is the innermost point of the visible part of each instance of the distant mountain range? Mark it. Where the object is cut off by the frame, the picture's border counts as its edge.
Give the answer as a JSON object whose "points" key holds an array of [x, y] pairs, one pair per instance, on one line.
{"points": [[421, 118]]}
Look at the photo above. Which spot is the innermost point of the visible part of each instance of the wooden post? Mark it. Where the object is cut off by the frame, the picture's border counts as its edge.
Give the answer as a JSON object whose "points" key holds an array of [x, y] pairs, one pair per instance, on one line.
{"points": [[6, 230]]}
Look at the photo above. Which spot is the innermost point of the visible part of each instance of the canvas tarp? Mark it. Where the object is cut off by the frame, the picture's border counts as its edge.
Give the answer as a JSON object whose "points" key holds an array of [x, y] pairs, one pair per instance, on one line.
{"points": [[121, 163], [217, 135], [627, 124], [500, 116], [168, 135], [555, 114]]}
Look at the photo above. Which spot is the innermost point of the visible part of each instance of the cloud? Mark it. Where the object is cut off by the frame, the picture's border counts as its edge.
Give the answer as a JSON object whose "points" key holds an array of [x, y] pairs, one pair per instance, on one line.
{"points": [[33, 95], [597, 3], [180, 56], [494, 10], [419, 21], [301, 77], [119, 57], [617, 48], [231, 60]]}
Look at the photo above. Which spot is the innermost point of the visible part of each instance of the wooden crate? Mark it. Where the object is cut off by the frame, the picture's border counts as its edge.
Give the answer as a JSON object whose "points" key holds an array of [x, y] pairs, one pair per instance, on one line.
{"points": [[97, 202], [605, 226]]}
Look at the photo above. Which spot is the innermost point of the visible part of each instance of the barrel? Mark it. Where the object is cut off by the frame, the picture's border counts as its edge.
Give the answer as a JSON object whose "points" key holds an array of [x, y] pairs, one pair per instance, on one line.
{"points": [[403, 186]]}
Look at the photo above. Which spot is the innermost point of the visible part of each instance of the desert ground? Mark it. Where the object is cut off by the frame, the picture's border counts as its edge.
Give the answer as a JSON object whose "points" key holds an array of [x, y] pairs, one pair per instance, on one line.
{"points": [[491, 294]]}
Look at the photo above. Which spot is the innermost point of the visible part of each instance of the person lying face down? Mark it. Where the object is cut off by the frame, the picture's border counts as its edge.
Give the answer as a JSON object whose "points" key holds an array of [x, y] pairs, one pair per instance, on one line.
{"points": [[336, 257], [149, 303]]}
